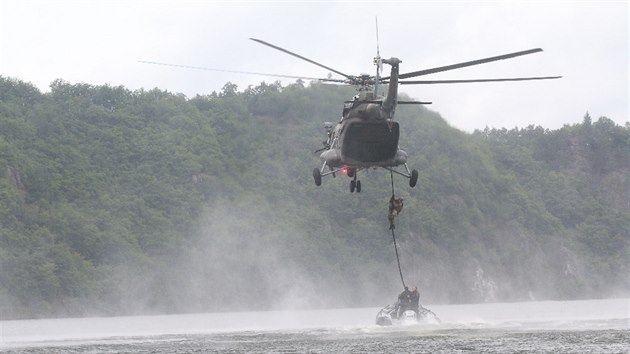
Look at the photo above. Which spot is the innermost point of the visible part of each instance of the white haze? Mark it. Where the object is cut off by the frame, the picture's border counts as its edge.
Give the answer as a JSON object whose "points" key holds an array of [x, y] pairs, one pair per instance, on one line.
{"points": [[250, 259], [247, 258], [549, 315]]}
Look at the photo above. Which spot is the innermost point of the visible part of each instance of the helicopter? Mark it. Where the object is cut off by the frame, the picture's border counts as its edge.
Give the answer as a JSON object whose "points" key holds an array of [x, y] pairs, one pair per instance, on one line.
{"points": [[367, 135]]}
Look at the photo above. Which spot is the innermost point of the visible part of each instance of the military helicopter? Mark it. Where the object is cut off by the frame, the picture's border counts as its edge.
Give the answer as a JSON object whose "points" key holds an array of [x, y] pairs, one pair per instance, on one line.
{"points": [[367, 135]]}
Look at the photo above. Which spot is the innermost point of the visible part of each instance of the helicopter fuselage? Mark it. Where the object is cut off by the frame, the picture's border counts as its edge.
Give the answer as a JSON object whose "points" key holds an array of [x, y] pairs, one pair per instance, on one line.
{"points": [[367, 135], [364, 138]]}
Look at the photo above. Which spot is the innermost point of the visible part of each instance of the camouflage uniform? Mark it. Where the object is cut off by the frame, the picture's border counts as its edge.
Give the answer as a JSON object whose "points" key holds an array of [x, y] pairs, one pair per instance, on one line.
{"points": [[395, 207]]}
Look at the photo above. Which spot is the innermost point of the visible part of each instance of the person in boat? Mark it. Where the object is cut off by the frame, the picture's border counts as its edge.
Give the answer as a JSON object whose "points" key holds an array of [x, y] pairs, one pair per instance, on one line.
{"points": [[404, 302], [415, 299], [395, 207]]}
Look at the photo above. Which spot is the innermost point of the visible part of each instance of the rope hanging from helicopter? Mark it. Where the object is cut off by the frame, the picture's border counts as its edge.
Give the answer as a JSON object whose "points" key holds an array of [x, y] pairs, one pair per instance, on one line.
{"points": [[394, 236]]}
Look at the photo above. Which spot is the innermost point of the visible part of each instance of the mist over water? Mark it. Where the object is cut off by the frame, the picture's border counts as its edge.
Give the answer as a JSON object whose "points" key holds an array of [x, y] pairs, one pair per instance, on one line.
{"points": [[247, 258], [590, 326]]}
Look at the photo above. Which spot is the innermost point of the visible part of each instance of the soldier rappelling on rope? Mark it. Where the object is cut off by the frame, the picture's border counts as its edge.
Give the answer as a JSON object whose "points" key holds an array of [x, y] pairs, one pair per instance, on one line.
{"points": [[395, 207], [407, 309]]}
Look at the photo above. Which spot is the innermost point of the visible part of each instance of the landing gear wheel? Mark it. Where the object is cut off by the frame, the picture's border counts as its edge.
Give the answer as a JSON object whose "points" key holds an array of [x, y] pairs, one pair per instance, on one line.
{"points": [[317, 176], [358, 186], [414, 178], [353, 185]]}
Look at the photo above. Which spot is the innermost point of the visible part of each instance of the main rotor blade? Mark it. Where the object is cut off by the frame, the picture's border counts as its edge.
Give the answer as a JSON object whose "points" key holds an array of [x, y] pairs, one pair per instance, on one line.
{"points": [[425, 82], [303, 58], [467, 63], [413, 102], [240, 72]]}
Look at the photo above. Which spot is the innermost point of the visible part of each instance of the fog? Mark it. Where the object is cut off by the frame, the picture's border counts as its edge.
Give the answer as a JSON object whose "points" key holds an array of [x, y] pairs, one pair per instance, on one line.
{"points": [[479, 323], [248, 258]]}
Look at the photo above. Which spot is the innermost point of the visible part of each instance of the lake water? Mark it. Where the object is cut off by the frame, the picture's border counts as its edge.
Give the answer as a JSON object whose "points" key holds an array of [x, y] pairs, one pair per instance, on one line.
{"points": [[591, 326]]}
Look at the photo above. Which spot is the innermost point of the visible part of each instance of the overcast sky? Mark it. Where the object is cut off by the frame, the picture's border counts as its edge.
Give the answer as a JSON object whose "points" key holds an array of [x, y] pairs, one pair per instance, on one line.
{"points": [[99, 42]]}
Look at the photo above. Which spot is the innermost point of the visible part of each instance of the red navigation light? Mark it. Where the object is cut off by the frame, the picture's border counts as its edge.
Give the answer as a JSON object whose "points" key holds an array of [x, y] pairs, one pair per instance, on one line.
{"points": [[344, 170]]}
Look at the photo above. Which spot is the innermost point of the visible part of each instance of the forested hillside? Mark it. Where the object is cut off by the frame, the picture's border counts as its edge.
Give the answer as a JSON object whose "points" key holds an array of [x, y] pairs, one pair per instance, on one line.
{"points": [[123, 202]]}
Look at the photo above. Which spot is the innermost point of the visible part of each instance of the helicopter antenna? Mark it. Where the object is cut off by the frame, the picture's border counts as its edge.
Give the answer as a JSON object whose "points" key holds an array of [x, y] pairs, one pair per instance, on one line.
{"points": [[378, 52], [378, 62]]}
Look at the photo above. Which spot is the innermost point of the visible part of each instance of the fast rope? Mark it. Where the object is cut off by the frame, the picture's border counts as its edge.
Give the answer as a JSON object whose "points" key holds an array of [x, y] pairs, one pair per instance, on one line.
{"points": [[394, 236]]}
